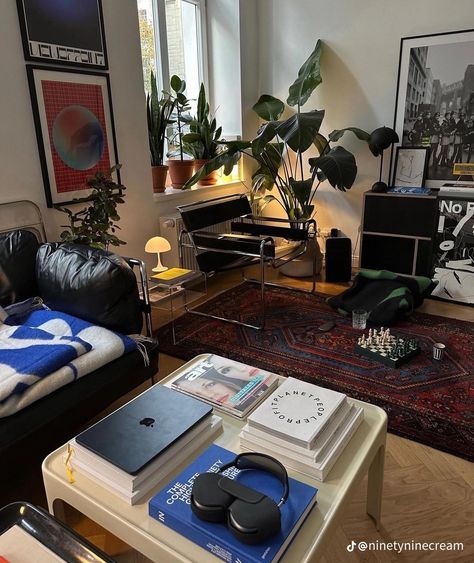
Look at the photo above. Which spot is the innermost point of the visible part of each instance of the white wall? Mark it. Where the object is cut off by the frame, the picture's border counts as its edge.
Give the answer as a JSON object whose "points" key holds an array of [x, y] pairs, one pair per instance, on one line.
{"points": [[359, 70], [223, 42], [20, 172]]}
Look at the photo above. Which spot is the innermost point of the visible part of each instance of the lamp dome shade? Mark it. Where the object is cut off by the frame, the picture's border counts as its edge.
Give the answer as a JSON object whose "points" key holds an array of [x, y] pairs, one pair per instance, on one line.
{"points": [[381, 139], [157, 244]]}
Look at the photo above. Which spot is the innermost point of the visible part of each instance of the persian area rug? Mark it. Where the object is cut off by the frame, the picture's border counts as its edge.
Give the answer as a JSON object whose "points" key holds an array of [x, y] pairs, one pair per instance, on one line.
{"points": [[426, 400]]}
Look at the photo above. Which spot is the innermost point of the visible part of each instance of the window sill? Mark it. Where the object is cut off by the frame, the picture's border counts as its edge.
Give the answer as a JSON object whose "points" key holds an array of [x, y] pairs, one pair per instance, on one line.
{"points": [[171, 193]]}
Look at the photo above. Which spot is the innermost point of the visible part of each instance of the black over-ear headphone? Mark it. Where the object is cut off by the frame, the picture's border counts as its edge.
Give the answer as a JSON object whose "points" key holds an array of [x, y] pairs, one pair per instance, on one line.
{"points": [[251, 516]]}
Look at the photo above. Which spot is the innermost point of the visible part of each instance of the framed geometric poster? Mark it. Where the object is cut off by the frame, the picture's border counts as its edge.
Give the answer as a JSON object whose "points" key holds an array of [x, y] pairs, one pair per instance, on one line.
{"points": [[67, 32], [74, 129], [435, 100]]}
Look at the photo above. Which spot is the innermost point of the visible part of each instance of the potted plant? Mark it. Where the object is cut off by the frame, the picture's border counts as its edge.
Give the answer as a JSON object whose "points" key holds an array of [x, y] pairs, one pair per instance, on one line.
{"points": [[159, 118], [280, 144], [180, 168], [96, 224], [202, 142]]}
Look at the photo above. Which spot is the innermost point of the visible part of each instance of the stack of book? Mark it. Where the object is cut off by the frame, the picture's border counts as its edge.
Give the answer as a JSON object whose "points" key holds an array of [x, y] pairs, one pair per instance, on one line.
{"points": [[305, 426], [171, 506], [230, 386], [175, 276], [130, 451]]}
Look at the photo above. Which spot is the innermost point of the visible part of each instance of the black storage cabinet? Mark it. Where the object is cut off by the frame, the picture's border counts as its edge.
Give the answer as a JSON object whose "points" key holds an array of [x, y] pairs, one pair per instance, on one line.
{"points": [[397, 233]]}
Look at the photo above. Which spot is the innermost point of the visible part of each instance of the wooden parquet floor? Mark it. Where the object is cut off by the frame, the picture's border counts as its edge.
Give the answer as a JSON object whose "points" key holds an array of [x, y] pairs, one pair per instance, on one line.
{"points": [[428, 494]]}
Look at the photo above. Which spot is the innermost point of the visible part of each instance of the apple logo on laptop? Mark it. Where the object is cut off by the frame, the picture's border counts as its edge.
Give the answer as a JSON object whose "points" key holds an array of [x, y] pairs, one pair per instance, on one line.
{"points": [[147, 421]]}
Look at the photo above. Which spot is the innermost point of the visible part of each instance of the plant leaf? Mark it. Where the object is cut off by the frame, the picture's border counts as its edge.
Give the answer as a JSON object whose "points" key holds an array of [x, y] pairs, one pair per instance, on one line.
{"points": [[339, 167], [359, 133], [309, 78], [300, 130], [265, 135], [269, 108], [191, 137], [302, 190], [264, 178], [321, 143], [176, 83]]}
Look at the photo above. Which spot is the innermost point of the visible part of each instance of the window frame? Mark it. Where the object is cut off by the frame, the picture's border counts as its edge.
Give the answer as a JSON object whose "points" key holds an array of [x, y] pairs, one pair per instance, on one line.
{"points": [[161, 42]]}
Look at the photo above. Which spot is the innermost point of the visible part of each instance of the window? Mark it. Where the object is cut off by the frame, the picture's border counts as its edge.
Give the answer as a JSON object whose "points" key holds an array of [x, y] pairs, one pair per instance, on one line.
{"points": [[172, 34]]}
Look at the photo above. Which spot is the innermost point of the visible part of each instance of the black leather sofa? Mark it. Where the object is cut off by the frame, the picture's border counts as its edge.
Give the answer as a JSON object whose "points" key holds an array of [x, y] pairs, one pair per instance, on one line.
{"points": [[96, 286]]}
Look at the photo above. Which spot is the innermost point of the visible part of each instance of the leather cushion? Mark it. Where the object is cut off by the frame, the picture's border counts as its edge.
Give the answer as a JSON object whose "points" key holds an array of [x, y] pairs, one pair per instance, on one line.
{"points": [[94, 285], [17, 266]]}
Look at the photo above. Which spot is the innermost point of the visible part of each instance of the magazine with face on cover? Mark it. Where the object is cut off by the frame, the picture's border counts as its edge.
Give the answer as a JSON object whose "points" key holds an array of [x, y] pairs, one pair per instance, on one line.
{"points": [[232, 386]]}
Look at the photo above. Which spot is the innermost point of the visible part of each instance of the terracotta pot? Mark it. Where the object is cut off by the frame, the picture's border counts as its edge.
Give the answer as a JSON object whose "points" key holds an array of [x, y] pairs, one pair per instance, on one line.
{"points": [[180, 172], [159, 174], [208, 180]]}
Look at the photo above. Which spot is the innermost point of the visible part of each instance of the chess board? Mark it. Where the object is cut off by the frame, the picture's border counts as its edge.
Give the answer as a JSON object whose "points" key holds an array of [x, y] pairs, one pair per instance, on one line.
{"points": [[384, 352]]}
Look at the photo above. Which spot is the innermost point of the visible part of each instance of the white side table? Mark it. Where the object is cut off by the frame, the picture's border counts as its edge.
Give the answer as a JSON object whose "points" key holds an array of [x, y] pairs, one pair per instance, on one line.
{"points": [[173, 297]]}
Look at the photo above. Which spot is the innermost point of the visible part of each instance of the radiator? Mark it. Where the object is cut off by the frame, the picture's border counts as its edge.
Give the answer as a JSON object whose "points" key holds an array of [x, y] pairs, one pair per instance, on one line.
{"points": [[170, 228]]}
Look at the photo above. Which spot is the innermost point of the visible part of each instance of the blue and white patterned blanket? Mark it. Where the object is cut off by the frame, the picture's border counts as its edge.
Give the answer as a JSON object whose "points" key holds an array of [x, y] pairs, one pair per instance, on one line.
{"points": [[49, 350]]}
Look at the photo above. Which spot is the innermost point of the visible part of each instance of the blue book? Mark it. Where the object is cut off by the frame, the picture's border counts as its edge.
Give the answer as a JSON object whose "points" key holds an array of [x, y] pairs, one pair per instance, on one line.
{"points": [[409, 190], [172, 507]]}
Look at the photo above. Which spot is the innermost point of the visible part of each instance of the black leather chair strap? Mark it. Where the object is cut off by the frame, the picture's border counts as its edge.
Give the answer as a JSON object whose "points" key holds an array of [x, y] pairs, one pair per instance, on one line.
{"points": [[247, 245], [288, 233], [204, 214]]}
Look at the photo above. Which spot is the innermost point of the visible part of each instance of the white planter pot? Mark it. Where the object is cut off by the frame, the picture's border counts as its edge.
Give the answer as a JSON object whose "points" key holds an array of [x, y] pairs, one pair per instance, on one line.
{"points": [[302, 267]]}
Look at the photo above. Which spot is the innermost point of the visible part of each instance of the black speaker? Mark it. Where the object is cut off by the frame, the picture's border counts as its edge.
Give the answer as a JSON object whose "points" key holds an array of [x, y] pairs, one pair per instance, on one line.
{"points": [[338, 258]]}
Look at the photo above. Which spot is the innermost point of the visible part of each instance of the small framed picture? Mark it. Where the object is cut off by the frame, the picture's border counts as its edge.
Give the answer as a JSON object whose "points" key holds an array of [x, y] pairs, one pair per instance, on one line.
{"points": [[411, 165], [74, 124]]}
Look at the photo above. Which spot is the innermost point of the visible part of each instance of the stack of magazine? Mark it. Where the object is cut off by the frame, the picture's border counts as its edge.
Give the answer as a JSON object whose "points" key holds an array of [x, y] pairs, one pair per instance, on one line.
{"points": [[174, 276], [130, 451], [305, 426], [230, 386], [171, 506]]}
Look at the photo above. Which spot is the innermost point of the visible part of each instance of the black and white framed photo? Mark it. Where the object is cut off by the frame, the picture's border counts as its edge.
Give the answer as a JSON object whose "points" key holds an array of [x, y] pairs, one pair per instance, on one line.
{"points": [[63, 32], [435, 100], [74, 124], [411, 165]]}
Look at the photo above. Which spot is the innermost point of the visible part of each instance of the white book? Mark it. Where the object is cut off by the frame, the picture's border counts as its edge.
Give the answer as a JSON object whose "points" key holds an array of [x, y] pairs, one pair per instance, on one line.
{"points": [[323, 442], [320, 470], [155, 475], [297, 411], [87, 458]]}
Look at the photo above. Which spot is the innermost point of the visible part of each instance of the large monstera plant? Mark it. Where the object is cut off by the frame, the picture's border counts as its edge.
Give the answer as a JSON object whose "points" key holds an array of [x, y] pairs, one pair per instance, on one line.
{"points": [[280, 145]]}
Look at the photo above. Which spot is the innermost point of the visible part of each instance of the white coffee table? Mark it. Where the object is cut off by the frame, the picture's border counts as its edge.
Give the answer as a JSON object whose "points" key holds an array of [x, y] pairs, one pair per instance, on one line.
{"points": [[363, 455]]}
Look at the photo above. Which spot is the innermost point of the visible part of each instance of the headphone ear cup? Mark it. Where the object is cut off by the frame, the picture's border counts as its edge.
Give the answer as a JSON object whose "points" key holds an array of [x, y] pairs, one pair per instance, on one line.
{"points": [[208, 501], [253, 523]]}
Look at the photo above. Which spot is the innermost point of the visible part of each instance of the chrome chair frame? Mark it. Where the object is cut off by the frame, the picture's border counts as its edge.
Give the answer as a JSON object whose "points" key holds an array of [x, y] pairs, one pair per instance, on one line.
{"points": [[144, 291], [261, 257]]}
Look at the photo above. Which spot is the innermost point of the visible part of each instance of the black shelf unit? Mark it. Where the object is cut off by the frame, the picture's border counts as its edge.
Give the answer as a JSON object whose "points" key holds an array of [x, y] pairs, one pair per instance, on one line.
{"points": [[398, 232]]}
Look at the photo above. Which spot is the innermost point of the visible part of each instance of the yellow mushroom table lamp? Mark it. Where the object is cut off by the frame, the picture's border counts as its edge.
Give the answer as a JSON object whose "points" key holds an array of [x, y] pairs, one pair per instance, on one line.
{"points": [[158, 245]]}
